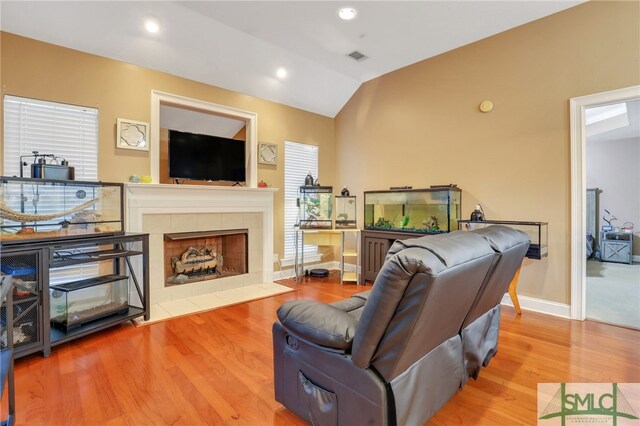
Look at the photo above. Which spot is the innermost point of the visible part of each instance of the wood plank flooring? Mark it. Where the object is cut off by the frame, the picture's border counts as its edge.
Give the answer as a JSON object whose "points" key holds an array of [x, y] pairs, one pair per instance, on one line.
{"points": [[216, 368]]}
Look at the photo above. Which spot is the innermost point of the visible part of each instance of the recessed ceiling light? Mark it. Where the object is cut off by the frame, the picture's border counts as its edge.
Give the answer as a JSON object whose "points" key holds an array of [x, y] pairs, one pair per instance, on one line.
{"points": [[281, 73], [151, 26], [347, 13]]}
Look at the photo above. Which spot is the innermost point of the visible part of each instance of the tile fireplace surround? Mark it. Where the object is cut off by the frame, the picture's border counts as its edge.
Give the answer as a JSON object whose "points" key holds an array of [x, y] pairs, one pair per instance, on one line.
{"points": [[159, 209]]}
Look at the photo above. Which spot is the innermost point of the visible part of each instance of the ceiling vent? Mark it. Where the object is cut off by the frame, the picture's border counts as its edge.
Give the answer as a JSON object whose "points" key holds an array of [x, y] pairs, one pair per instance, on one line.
{"points": [[357, 56]]}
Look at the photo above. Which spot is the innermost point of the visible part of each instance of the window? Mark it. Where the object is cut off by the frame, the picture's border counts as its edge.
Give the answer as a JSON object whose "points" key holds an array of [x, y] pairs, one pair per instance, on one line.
{"points": [[67, 131], [299, 160]]}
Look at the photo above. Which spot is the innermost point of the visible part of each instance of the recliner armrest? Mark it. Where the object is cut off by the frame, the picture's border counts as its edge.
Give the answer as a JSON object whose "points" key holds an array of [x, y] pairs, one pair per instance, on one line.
{"points": [[318, 323]]}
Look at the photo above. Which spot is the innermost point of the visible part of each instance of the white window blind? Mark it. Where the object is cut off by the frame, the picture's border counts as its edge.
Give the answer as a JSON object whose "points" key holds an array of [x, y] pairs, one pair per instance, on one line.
{"points": [[69, 132], [299, 160]]}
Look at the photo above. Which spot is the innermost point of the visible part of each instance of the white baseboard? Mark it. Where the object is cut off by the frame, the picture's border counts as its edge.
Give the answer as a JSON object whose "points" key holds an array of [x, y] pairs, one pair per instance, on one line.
{"points": [[636, 258], [540, 305]]}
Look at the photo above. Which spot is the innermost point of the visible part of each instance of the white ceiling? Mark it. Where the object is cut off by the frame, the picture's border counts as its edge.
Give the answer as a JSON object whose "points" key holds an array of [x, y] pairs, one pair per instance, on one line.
{"points": [[238, 45]]}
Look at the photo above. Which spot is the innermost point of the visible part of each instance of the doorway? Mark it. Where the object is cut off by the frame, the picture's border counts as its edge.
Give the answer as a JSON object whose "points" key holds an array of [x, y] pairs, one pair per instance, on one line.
{"points": [[605, 282]]}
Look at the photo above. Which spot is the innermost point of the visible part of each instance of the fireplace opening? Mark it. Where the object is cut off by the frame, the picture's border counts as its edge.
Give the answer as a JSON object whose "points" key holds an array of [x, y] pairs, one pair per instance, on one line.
{"points": [[198, 256]]}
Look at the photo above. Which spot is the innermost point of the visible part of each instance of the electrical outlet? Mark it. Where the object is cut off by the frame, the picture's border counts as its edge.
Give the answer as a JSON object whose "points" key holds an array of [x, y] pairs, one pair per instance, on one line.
{"points": [[275, 257]]}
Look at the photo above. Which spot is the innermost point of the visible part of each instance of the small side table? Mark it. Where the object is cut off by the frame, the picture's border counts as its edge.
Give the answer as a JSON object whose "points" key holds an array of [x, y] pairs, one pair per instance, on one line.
{"points": [[616, 247]]}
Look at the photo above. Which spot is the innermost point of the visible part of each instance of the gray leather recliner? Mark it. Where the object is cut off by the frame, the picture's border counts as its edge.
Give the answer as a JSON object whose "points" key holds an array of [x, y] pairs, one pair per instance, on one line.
{"points": [[394, 354], [480, 329]]}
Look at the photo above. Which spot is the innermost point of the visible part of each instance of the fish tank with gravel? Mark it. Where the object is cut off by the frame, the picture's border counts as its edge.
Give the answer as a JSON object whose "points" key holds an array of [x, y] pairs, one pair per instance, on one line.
{"points": [[427, 211]]}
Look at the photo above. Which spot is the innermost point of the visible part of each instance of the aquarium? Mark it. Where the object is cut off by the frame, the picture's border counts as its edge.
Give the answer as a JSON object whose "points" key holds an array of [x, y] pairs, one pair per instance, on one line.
{"points": [[345, 212], [428, 211], [537, 232], [32, 209], [316, 207], [77, 303]]}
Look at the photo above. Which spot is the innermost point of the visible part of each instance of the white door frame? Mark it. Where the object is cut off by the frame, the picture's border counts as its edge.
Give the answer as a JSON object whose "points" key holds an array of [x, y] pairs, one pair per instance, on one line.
{"points": [[578, 188]]}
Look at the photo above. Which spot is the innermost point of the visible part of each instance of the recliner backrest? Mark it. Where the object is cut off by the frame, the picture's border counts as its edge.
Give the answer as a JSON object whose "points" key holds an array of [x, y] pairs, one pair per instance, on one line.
{"points": [[420, 299], [511, 245]]}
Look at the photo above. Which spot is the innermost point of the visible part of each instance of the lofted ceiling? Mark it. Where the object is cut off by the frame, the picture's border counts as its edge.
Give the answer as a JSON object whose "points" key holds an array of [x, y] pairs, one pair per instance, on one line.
{"points": [[239, 45]]}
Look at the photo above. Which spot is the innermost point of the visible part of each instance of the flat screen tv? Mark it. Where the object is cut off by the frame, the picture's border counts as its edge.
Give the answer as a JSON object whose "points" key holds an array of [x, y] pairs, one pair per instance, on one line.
{"points": [[205, 157]]}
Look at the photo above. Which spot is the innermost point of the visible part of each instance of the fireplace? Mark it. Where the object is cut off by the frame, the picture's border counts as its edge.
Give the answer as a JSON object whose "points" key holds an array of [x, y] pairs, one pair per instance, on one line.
{"points": [[204, 255], [159, 209]]}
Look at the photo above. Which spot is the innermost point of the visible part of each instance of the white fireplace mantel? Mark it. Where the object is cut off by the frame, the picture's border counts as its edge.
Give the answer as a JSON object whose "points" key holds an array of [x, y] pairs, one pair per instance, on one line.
{"points": [[142, 201]]}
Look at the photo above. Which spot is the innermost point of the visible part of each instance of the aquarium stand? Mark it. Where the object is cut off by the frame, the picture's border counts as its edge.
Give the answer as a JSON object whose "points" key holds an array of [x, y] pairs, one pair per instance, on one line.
{"points": [[341, 238], [6, 349], [53, 305], [375, 245], [118, 294]]}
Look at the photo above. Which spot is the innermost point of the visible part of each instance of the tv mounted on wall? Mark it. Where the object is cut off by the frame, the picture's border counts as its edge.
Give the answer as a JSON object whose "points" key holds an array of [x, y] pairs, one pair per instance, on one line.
{"points": [[206, 157]]}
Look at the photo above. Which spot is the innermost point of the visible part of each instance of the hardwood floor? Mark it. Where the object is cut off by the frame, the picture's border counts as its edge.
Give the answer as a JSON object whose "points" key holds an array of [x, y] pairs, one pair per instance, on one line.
{"points": [[216, 368]]}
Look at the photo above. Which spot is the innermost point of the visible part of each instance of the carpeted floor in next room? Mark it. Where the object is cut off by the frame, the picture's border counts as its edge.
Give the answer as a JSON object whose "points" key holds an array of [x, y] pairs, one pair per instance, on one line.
{"points": [[613, 293]]}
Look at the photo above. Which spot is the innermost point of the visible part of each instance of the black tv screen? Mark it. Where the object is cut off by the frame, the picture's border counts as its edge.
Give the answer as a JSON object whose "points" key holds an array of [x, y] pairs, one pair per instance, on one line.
{"points": [[205, 157]]}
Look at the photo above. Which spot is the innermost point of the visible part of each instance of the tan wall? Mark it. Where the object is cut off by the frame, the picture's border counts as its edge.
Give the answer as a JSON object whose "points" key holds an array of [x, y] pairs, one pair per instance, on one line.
{"points": [[421, 125], [39, 70]]}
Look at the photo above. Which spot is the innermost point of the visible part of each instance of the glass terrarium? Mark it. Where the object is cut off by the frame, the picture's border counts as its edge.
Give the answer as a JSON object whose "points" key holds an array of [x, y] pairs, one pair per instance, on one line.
{"points": [[316, 207], [79, 302], [345, 211], [537, 232], [31, 209], [428, 211]]}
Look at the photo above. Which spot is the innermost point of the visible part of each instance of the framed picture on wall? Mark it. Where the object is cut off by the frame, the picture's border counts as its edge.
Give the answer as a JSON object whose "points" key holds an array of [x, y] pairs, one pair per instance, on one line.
{"points": [[132, 134], [268, 154]]}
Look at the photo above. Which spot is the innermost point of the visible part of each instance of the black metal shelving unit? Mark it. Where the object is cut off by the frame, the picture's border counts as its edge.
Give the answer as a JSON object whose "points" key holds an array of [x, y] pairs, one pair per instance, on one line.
{"points": [[6, 349], [25, 266], [119, 251], [122, 254]]}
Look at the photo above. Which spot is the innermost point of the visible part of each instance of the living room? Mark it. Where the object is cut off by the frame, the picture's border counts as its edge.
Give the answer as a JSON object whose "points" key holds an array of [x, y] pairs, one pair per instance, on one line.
{"points": [[418, 125]]}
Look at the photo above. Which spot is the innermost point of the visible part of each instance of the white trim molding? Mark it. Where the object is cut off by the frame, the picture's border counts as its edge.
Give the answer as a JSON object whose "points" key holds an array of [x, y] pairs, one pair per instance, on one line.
{"points": [[578, 188], [250, 118], [539, 305]]}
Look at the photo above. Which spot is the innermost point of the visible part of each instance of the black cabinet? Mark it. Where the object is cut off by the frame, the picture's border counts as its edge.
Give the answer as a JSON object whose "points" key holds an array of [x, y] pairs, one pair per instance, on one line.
{"points": [[71, 284], [26, 267], [375, 250], [6, 350], [375, 245]]}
